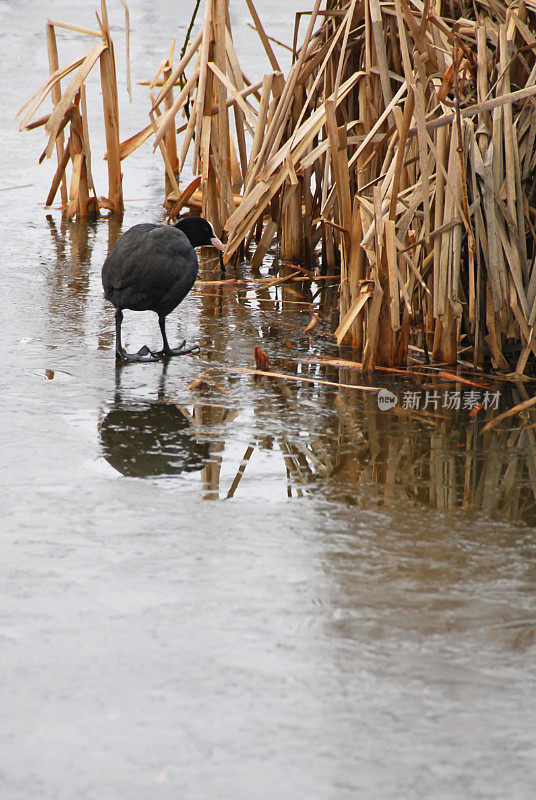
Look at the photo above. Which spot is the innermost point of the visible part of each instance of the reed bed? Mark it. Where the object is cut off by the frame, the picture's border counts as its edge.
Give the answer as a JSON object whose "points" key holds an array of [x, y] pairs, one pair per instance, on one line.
{"points": [[401, 144], [407, 136], [398, 151]]}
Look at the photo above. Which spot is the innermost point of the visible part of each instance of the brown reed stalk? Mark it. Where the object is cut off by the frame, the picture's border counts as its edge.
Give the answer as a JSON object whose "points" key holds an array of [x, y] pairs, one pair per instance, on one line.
{"points": [[111, 116], [52, 48]]}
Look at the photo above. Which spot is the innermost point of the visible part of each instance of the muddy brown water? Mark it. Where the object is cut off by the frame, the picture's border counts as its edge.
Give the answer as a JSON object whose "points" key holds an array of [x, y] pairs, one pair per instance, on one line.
{"points": [[251, 588]]}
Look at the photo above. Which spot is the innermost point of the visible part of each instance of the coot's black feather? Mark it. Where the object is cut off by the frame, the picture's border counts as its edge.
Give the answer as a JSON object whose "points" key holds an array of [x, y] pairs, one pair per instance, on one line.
{"points": [[152, 268]]}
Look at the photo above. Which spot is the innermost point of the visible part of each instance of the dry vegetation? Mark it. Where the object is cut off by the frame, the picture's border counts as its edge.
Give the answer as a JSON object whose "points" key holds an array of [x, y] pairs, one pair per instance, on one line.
{"points": [[70, 109], [400, 146]]}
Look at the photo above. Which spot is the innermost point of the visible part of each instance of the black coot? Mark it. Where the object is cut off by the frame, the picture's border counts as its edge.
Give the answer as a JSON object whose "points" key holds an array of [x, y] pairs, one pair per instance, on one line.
{"points": [[152, 268]]}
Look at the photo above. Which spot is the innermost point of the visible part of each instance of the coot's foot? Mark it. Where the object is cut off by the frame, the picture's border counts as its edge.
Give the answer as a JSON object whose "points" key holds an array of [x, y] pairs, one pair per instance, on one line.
{"points": [[181, 350], [143, 356]]}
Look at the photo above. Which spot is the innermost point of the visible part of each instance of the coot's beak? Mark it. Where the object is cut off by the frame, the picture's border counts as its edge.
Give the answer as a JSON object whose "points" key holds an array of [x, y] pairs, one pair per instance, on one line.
{"points": [[215, 242]]}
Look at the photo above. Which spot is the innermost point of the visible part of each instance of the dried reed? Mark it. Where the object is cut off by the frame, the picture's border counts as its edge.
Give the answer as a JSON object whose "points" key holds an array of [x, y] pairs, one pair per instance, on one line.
{"points": [[69, 108], [402, 139], [400, 146]]}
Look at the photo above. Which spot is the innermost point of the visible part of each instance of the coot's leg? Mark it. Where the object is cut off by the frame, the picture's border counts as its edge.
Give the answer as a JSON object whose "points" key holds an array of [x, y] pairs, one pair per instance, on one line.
{"points": [[143, 354], [168, 351]]}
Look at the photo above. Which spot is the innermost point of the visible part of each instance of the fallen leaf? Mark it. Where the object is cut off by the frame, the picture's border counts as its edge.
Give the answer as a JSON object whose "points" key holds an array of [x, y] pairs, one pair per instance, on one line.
{"points": [[261, 359]]}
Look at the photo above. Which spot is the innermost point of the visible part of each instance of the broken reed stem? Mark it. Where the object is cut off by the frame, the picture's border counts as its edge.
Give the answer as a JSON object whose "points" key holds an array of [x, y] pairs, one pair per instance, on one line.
{"points": [[111, 122], [53, 62], [301, 379]]}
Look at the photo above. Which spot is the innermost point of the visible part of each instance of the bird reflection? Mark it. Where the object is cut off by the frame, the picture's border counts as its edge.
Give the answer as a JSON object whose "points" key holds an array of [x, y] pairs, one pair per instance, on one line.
{"points": [[143, 438]]}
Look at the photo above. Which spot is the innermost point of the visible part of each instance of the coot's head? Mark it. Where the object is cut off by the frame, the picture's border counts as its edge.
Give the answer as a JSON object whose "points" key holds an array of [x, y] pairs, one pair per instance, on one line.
{"points": [[200, 232]]}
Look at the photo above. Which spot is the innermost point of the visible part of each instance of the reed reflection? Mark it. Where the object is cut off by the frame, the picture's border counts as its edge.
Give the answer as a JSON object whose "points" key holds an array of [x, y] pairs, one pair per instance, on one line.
{"points": [[340, 444], [442, 458], [334, 442], [69, 283]]}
